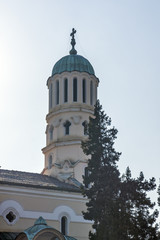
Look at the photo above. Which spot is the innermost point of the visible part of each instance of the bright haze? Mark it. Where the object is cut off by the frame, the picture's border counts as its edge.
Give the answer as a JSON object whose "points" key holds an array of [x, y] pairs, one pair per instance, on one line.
{"points": [[121, 39]]}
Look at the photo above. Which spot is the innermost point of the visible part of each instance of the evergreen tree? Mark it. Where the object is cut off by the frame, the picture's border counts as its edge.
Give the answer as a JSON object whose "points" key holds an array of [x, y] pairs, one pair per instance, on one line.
{"points": [[141, 219], [118, 206], [159, 195], [103, 177]]}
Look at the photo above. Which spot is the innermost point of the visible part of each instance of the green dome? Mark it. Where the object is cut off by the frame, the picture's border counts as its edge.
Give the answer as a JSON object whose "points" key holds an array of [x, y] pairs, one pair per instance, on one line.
{"points": [[72, 63]]}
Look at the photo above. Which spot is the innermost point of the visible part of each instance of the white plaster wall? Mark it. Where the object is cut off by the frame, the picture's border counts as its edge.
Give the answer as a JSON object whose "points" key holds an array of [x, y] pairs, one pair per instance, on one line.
{"points": [[29, 204], [68, 147]]}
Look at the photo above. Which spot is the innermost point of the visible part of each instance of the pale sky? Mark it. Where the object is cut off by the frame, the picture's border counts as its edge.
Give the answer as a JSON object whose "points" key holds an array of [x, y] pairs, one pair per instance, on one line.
{"points": [[120, 38]]}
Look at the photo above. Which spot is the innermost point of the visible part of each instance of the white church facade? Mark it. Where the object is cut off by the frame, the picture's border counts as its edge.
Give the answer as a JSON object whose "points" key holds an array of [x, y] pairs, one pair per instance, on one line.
{"points": [[55, 194]]}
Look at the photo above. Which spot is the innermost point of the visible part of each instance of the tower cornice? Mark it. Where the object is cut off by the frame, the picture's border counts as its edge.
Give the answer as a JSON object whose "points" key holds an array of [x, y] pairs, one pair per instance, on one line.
{"points": [[75, 107], [71, 74], [66, 141]]}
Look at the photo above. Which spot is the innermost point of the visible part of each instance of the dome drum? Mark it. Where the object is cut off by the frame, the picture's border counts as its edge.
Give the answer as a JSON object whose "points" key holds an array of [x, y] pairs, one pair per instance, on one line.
{"points": [[72, 89]]}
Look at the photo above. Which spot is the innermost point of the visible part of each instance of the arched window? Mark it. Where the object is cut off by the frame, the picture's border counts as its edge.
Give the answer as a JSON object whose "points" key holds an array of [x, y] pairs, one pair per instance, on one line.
{"points": [[64, 225], [50, 162], [57, 92], [84, 90], [50, 95], [91, 93], [85, 125], [75, 89], [51, 133], [65, 90], [67, 124]]}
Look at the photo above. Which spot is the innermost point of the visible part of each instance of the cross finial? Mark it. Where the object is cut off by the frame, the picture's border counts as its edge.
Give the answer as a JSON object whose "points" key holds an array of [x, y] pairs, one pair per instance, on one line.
{"points": [[72, 33], [73, 42]]}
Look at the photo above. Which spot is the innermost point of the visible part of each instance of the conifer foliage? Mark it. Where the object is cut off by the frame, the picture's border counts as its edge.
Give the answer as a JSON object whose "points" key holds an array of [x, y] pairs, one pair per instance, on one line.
{"points": [[118, 206]]}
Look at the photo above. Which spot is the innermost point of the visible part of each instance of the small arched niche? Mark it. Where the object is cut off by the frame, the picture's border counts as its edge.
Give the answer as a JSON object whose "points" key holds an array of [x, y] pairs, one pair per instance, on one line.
{"points": [[50, 161], [85, 127], [51, 128], [67, 125]]}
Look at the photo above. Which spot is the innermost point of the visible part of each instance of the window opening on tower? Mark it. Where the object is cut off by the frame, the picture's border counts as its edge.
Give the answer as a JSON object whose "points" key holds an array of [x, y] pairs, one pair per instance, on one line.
{"points": [[51, 133], [84, 90], [86, 173], [91, 93], [85, 125], [57, 92], [65, 90], [67, 125], [50, 95], [50, 162], [75, 89]]}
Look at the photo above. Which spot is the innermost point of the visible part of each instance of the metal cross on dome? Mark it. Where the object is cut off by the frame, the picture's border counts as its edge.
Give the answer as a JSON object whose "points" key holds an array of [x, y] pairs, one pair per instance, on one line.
{"points": [[73, 32], [73, 42]]}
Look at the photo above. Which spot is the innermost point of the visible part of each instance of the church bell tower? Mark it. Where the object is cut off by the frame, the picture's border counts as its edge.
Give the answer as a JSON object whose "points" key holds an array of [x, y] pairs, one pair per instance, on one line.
{"points": [[72, 95]]}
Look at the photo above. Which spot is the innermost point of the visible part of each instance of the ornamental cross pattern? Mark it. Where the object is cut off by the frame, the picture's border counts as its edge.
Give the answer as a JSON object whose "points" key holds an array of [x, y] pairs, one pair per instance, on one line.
{"points": [[72, 33], [73, 42]]}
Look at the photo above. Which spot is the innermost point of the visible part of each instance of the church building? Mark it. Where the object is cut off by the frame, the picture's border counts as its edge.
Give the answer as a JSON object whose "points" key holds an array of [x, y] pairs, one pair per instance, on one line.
{"points": [[49, 205]]}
